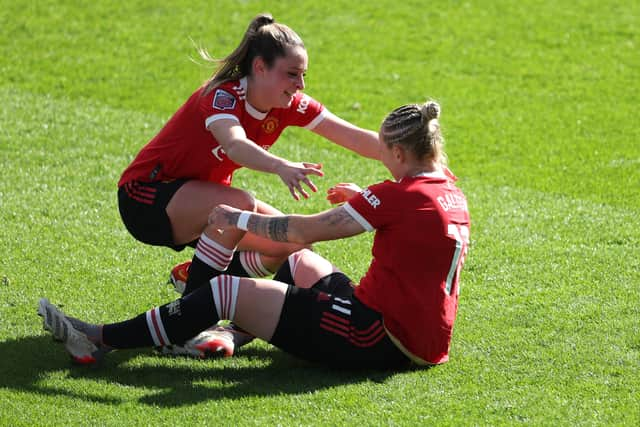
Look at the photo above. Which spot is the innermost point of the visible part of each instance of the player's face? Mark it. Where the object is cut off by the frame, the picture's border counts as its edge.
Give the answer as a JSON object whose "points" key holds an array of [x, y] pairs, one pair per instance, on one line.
{"points": [[286, 77]]}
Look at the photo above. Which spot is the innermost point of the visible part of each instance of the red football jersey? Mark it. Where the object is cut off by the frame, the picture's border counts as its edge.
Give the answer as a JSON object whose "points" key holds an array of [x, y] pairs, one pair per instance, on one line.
{"points": [[184, 148], [422, 235]]}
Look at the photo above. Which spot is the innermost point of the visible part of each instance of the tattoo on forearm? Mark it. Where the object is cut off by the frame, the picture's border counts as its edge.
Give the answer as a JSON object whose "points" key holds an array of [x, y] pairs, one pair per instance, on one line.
{"points": [[337, 217], [278, 228], [231, 217], [274, 228]]}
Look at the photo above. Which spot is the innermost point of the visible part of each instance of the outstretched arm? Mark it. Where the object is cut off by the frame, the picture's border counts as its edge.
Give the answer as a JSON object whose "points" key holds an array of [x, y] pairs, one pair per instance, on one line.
{"points": [[332, 224], [243, 151], [362, 141]]}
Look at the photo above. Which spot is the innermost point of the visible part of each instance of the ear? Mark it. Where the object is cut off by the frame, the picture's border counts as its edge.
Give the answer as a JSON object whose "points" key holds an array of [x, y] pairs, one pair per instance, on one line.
{"points": [[258, 66], [398, 153]]}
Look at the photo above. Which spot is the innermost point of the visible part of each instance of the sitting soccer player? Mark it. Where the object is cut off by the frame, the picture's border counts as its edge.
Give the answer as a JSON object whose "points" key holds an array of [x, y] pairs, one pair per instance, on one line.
{"points": [[403, 309]]}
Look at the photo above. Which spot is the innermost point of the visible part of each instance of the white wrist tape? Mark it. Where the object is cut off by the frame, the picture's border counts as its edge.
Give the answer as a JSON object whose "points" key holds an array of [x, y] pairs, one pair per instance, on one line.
{"points": [[243, 219]]}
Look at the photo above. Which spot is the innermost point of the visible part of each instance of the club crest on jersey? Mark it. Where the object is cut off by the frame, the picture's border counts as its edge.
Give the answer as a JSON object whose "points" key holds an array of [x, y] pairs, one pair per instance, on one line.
{"points": [[270, 125], [223, 100]]}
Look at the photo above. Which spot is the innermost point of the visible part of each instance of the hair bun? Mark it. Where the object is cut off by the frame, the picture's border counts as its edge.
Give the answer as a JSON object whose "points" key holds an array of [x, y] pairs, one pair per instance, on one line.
{"points": [[262, 20], [430, 110]]}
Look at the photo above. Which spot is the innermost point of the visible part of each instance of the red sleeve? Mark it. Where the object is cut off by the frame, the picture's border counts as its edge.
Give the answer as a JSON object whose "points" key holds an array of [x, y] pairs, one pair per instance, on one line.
{"points": [[305, 111], [219, 103], [375, 206]]}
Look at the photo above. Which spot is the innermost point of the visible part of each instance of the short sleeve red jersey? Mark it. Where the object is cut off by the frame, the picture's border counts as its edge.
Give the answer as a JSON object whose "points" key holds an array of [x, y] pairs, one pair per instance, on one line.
{"points": [[185, 149], [422, 234]]}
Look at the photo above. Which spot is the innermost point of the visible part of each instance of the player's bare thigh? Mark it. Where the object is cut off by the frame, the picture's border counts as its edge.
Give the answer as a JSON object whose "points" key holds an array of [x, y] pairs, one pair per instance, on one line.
{"points": [[259, 305], [189, 207], [260, 301]]}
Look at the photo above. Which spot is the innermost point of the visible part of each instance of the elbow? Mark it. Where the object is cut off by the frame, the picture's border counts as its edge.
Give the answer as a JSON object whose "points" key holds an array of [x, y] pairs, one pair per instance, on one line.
{"points": [[231, 152], [235, 150]]}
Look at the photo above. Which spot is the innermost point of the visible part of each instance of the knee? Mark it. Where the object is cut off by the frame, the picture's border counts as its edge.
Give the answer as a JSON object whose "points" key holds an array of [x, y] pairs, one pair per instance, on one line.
{"points": [[307, 267], [244, 200]]}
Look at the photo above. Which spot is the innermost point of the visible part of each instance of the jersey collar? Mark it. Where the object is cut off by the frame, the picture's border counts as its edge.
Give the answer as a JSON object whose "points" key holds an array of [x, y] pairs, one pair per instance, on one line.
{"points": [[434, 174], [253, 112]]}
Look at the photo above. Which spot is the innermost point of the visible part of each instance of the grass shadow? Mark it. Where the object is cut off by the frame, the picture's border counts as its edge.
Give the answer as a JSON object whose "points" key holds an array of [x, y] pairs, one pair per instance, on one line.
{"points": [[28, 363]]}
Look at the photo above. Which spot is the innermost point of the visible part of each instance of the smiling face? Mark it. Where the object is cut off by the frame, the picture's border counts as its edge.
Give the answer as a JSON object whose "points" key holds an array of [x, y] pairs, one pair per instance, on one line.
{"points": [[274, 87]]}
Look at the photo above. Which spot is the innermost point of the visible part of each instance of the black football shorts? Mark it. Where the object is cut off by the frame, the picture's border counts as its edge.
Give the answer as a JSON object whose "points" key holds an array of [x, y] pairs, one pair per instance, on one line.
{"points": [[143, 209], [327, 324]]}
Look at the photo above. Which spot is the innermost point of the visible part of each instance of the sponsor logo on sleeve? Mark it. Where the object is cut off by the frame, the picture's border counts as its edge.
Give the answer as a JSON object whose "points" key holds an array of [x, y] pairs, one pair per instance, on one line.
{"points": [[223, 100], [303, 105]]}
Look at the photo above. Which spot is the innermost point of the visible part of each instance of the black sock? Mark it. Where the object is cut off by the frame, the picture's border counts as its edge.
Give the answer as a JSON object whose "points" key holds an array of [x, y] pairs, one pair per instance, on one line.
{"points": [[284, 274], [199, 274], [131, 333], [236, 268], [178, 321]]}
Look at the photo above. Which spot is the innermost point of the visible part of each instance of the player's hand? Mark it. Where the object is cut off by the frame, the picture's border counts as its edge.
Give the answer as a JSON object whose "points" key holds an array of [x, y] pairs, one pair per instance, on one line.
{"points": [[342, 192], [293, 174], [224, 217]]}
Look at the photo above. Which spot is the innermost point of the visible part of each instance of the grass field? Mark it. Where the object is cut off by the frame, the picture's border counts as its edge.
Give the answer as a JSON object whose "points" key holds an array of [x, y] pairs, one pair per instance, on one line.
{"points": [[539, 100]]}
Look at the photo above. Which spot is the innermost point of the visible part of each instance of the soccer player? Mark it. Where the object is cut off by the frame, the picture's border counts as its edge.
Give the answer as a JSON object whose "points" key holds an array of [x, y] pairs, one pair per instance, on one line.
{"points": [[231, 121], [403, 309]]}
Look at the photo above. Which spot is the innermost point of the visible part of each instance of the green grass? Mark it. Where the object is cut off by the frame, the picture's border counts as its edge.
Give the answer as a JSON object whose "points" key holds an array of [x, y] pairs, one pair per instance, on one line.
{"points": [[539, 108]]}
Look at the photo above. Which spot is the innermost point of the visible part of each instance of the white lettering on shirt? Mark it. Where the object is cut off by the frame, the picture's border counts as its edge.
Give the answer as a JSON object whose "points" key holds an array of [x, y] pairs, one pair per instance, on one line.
{"points": [[371, 198], [304, 104], [217, 151], [452, 201]]}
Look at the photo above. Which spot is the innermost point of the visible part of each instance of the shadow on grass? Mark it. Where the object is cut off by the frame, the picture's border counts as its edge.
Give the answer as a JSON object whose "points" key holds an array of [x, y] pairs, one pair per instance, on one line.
{"points": [[39, 365]]}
